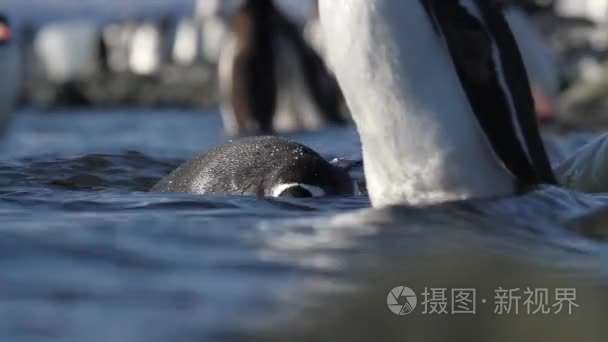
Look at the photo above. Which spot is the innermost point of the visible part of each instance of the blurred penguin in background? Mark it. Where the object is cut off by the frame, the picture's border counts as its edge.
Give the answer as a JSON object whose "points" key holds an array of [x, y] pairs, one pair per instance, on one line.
{"points": [[542, 63], [271, 80], [213, 17], [10, 73]]}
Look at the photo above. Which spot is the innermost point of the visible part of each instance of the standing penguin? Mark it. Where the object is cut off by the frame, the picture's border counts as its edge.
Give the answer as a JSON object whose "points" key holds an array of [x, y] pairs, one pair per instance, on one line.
{"points": [[440, 97], [265, 63]]}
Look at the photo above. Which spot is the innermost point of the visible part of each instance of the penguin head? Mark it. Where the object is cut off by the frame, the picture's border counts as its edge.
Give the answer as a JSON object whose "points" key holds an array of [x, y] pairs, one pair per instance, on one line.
{"points": [[309, 175]]}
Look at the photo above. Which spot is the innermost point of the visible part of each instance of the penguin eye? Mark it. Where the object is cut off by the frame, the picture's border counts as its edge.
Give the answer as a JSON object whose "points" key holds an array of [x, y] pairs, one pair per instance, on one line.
{"points": [[297, 190]]}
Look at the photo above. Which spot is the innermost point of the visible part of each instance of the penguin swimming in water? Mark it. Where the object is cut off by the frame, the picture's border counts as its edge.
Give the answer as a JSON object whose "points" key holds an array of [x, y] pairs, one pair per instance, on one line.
{"points": [[263, 166], [270, 78]]}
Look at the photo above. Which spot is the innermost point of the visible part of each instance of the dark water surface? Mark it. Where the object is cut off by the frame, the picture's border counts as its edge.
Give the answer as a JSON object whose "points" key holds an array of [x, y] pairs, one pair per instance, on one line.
{"points": [[87, 255]]}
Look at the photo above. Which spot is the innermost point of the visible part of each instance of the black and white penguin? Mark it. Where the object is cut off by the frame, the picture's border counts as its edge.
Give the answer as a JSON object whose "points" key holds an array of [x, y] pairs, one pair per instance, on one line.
{"points": [[440, 97], [10, 73], [270, 78], [262, 166]]}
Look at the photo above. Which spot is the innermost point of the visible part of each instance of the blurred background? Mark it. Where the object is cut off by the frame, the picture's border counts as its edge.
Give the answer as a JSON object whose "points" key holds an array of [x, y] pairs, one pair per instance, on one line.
{"points": [[95, 53], [122, 53]]}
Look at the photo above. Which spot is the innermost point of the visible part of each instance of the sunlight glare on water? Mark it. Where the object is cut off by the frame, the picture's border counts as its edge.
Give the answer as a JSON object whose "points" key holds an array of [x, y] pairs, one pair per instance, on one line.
{"points": [[87, 254]]}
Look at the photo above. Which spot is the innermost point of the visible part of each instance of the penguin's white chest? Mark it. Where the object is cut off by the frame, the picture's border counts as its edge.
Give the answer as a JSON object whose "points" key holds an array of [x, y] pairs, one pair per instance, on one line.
{"points": [[421, 141]]}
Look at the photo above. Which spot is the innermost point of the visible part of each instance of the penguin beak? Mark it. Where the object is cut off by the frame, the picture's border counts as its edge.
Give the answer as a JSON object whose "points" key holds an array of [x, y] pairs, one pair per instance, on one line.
{"points": [[544, 104], [346, 164], [5, 33]]}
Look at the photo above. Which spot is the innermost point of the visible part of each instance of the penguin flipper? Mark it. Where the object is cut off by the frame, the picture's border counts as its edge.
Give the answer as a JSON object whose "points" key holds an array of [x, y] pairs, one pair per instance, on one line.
{"points": [[479, 63]]}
